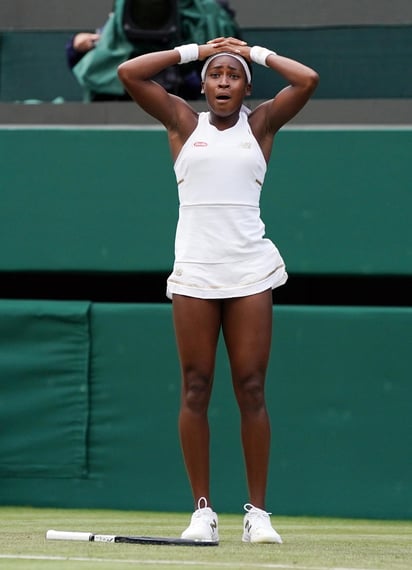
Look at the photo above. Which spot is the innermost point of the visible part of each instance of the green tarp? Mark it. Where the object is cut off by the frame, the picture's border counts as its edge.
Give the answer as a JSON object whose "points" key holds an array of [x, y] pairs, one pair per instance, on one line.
{"points": [[338, 393], [44, 388], [200, 20]]}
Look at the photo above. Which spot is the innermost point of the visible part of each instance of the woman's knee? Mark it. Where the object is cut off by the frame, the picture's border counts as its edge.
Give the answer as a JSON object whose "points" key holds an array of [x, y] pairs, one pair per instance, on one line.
{"points": [[196, 391], [250, 393]]}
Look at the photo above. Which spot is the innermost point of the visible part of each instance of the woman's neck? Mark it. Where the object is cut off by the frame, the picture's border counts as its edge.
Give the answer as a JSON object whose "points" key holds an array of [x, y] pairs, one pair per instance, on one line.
{"points": [[223, 123]]}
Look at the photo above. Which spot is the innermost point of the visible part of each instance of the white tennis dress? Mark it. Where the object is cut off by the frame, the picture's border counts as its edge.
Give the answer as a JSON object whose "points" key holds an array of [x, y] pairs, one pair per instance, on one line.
{"points": [[220, 248]]}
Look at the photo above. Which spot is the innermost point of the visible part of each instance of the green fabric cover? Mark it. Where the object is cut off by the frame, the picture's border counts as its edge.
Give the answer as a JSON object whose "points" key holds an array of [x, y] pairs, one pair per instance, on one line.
{"points": [[338, 391], [44, 388], [200, 20]]}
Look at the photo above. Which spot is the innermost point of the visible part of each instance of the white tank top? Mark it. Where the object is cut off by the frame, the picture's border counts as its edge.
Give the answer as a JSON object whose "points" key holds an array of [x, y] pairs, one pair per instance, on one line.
{"points": [[220, 175]]}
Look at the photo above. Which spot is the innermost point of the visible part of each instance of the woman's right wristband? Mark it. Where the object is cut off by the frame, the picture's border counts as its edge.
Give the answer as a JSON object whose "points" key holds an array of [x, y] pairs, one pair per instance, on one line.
{"points": [[188, 53]]}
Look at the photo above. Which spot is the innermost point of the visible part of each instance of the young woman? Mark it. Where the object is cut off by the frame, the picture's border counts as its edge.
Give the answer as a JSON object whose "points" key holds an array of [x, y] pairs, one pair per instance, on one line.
{"points": [[225, 269]]}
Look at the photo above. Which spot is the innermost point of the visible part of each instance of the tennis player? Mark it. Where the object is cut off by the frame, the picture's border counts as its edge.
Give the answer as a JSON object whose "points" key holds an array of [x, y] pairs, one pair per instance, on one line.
{"points": [[225, 268]]}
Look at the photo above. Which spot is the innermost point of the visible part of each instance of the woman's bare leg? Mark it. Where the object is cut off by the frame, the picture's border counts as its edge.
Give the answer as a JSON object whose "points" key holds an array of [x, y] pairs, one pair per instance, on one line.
{"points": [[197, 326], [247, 328]]}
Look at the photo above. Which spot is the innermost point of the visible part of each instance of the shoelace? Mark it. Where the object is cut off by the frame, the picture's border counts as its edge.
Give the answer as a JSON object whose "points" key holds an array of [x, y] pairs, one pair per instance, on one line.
{"points": [[257, 511], [202, 499], [200, 510]]}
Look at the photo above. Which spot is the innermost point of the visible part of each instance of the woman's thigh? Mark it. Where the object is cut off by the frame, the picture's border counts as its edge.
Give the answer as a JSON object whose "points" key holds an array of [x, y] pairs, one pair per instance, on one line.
{"points": [[247, 329], [197, 325]]}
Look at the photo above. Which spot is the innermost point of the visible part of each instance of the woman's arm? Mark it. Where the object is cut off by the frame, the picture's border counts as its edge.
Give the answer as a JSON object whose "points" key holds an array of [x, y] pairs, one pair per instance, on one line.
{"points": [[289, 101], [173, 112], [271, 115], [137, 77]]}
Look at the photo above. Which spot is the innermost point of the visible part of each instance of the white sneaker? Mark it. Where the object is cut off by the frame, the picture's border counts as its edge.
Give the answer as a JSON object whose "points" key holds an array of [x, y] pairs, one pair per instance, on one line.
{"points": [[203, 524], [257, 527]]}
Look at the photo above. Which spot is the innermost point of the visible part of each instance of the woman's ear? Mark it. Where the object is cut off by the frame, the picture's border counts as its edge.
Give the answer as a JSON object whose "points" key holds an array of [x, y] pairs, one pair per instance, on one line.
{"points": [[248, 89], [202, 87]]}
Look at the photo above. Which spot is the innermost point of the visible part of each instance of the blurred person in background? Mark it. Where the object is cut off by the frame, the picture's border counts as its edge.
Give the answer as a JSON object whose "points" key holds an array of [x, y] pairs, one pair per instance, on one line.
{"points": [[78, 45], [94, 57]]}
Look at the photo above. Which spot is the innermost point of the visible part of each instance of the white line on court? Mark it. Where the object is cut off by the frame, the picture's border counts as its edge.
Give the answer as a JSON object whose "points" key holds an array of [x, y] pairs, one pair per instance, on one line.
{"points": [[173, 562]]}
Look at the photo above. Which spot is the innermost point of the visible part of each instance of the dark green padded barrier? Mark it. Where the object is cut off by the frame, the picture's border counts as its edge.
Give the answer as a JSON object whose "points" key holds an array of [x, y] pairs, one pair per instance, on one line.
{"points": [[335, 201], [87, 200], [339, 201], [339, 396], [44, 389], [33, 67], [350, 60], [355, 62], [343, 375]]}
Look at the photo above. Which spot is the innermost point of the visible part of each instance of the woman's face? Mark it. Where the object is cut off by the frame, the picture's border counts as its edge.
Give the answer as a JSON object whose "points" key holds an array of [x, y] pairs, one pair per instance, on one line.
{"points": [[225, 85]]}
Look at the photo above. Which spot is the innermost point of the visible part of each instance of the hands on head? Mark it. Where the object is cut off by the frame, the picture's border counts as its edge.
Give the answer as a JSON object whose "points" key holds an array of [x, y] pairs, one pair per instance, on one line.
{"points": [[220, 45]]}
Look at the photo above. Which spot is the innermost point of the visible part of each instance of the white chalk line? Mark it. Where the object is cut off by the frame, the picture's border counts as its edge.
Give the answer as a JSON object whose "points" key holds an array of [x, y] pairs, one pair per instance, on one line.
{"points": [[173, 562]]}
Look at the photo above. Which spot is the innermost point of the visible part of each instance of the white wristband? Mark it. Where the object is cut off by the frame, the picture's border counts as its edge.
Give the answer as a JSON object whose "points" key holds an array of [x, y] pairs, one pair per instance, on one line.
{"points": [[188, 53], [260, 54]]}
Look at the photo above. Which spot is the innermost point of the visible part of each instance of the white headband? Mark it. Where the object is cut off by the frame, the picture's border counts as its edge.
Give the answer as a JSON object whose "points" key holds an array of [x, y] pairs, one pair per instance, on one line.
{"points": [[238, 57]]}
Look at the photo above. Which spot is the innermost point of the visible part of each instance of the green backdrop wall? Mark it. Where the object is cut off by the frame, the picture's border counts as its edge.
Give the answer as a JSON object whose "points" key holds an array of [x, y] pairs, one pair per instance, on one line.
{"points": [[335, 201], [90, 393]]}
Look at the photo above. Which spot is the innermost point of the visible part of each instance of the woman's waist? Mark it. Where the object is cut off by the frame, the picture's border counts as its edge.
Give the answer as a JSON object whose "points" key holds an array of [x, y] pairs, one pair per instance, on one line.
{"points": [[219, 236], [221, 222], [238, 207]]}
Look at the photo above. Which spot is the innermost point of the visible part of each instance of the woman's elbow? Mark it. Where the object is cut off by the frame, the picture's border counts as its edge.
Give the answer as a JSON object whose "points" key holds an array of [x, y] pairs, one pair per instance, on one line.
{"points": [[312, 80], [123, 71]]}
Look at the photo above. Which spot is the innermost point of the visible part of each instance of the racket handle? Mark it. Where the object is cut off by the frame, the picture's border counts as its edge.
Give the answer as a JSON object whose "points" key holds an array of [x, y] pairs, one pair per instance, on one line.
{"points": [[67, 535]]}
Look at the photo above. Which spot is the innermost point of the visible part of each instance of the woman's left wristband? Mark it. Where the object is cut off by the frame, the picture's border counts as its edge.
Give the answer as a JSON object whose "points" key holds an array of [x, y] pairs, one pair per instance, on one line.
{"points": [[188, 53], [260, 54]]}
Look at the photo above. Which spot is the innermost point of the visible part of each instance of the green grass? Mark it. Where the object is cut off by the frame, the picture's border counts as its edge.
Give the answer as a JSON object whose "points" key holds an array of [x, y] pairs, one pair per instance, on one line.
{"points": [[309, 543]]}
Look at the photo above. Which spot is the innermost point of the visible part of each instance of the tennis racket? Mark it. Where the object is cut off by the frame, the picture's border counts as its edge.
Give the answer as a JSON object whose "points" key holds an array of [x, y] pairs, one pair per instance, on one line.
{"points": [[90, 537]]}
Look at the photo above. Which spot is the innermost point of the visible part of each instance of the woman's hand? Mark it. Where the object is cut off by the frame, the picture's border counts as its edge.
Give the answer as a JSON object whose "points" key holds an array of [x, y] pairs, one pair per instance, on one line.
{"points": [[220, 45]]}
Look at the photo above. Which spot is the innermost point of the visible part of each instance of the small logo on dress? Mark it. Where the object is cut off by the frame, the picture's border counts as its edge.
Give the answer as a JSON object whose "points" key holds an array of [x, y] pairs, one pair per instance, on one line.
{"points": [[200, 143], [245, 145]]}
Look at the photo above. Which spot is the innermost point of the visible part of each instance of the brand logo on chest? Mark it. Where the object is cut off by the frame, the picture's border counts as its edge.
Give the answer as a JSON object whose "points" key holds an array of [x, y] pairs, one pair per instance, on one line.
{"points": [[200, 143]]}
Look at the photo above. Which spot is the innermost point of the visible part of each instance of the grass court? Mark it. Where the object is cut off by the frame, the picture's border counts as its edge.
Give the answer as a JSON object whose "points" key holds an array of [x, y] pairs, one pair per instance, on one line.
{"points": [[309, 543]]}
